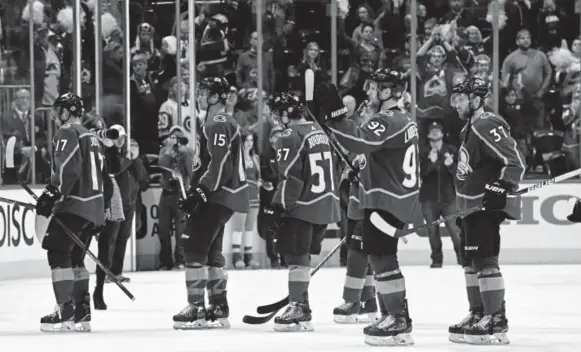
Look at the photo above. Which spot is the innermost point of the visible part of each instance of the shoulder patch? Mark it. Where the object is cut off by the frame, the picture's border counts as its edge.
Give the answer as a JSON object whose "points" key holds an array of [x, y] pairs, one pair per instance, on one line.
{"points": [[66, 126], [220, 118], [487, 115], [287, 132]]}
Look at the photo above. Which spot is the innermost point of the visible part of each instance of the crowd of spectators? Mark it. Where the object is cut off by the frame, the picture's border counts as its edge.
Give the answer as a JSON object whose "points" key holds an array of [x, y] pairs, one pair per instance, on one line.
{"points": [[539, 52]]}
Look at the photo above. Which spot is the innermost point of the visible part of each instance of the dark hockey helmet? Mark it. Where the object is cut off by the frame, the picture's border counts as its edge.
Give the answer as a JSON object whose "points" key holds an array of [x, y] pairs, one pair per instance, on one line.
{"points": [[216, 85], [69, 102], [388, 78], [289, 105], [473, 85]]}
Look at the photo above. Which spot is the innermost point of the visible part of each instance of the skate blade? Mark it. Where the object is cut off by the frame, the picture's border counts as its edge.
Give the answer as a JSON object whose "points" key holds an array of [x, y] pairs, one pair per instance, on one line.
{"points": [[305, 326], [398, 340], [356, 318], [84, 326], [222, 323], [456, 338], [190, 325], [60, 327], [495, 339]]}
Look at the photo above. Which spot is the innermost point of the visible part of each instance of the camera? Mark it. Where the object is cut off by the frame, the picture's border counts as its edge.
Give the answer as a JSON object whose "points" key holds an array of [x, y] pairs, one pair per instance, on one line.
{"points": [[106, 133]]}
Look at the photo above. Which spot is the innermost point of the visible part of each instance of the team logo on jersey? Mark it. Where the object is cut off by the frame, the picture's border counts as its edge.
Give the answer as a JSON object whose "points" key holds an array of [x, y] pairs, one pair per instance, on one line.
{"points": [[287, 132], [197, 160], [464, 169], [220, 118], [360, 161]]}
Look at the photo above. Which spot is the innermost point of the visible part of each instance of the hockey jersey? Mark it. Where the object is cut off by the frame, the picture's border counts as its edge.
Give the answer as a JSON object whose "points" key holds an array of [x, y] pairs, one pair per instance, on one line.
{"points": [[77, 171], [488, 153], [307, 187], [390, 170], [169, 117], [222, 163]]}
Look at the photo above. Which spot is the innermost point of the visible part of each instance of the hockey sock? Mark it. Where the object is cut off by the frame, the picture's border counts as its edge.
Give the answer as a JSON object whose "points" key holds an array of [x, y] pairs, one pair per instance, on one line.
{"points": [[298, 282], [368, 291], [382, 308], [472, 289], [491, 285], [217, 281], [391, 287], [355, 276], [236, 241], [196, 278], [62, 284], [81, 284], [248, 241]]}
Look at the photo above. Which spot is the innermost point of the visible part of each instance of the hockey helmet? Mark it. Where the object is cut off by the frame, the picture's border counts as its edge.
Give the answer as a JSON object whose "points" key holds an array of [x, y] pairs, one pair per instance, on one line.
{"points": [[69, 102], [287, 106], [388, 78], [469, 88], [215, 85]]}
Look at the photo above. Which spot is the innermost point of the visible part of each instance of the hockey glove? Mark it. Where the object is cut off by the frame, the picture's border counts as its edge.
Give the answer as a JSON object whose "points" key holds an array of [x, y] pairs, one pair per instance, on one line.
{"points": [[47, 200], [275, 213], [330, 101], [495, 195], [195, 196], [576, 214], [353, 175]]}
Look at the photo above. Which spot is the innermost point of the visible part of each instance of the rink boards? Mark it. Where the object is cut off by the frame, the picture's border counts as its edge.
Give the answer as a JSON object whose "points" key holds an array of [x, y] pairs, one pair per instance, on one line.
{"points": [[543, 235]]}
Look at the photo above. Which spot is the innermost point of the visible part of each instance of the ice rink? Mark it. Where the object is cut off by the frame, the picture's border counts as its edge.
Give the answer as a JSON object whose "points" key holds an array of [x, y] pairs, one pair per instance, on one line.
{"points": [[543, 308]]}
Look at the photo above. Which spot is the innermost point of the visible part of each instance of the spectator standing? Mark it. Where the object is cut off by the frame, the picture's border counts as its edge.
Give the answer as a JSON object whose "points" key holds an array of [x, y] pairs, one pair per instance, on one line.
{"points": [[144, 44], [168, 112], [528, 71], [311, 61], [144, 106], [513, 112], [247, 66], [243, 223], [132, 178], [437, 192], [459, 14], [365, 16], [178, 157]]}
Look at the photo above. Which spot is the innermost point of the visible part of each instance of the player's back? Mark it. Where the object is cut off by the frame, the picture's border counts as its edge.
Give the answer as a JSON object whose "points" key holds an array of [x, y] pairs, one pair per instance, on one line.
{"points": [[310, 165], [77, 171], [390, 175]]}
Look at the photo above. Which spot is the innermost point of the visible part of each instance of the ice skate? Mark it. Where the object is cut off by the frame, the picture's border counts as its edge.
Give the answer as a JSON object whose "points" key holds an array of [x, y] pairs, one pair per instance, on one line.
{"points": [[98, 300], [83, 315], [237, 261], [192, 317], [296, 318], [250, 262], [393, 330], [356, 312], [61, 320], [218, 312], [457, 330], [490, 330]]}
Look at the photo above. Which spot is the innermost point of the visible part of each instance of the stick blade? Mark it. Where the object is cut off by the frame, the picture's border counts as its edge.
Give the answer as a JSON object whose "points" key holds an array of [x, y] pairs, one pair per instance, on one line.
{"points": [[252, 320], [272, 307]]}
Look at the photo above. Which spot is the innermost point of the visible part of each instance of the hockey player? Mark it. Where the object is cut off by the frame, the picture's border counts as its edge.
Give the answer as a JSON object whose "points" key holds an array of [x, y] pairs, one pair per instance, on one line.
{"points": [[75, 197], [490, 165], [306, 200], [217, 191], [360, 305], [389, 187]]}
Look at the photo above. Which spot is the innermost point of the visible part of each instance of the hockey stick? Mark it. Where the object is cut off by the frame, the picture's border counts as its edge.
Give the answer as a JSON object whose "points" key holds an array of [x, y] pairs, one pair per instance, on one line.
{"points": [[385, 227], [273, 308], [177, 176], [16, 202], [344, 158], [82, 246]]}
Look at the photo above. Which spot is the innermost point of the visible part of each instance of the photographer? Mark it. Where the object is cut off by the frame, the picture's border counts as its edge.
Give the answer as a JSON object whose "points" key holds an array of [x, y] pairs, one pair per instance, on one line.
{"points": [[177, 156], [437, 192]]}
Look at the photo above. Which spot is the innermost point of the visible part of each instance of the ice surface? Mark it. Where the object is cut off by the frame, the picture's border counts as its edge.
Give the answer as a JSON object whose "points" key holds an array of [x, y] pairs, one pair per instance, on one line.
{"points": [[542, 305]]}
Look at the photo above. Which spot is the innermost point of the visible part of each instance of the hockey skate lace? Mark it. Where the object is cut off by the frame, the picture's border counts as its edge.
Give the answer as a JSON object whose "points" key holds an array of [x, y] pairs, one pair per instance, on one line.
{"points": [[292, 309], [346, 305], [388, 321], [484, 321]]}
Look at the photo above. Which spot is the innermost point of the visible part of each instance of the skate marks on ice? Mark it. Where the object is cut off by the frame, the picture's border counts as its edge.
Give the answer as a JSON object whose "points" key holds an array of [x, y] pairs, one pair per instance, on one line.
{"points": [[542, 310]]}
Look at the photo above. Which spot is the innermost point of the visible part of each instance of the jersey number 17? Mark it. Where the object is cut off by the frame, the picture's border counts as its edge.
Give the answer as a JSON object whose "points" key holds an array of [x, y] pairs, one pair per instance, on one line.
{"points": [[96, 170]]}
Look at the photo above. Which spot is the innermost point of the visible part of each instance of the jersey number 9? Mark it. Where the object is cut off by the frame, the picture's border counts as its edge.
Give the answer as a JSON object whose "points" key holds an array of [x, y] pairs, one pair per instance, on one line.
{"points": [[410, 167]]}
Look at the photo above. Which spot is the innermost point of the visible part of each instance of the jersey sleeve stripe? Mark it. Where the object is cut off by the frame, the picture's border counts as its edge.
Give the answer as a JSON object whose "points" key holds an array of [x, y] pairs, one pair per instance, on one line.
{"points": [[387, 138], [501, 156], [63, 165]]}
